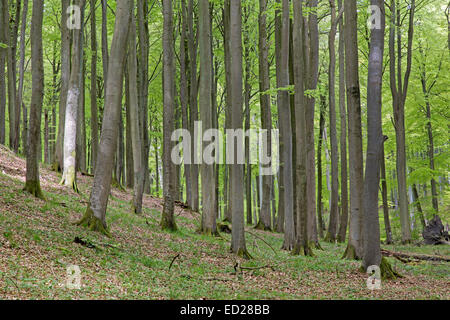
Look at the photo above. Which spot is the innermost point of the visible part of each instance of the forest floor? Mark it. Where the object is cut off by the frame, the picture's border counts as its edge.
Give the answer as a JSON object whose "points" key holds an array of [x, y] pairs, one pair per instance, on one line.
{"points": [[140, 261]]}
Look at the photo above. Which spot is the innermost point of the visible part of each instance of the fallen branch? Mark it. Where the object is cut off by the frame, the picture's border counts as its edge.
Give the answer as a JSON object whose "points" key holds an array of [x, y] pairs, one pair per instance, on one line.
{"points": [[257, 268], [425, 257], [260, 238], [173, 260]]}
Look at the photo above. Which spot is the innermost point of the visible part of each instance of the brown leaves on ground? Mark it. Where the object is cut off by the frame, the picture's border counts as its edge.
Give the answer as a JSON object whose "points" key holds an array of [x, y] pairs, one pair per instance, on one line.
{"points": [[37, 245]]}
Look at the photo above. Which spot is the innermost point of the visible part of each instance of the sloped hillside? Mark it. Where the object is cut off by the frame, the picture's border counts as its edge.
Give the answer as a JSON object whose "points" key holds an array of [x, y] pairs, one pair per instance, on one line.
{"points": [[38, 240]]}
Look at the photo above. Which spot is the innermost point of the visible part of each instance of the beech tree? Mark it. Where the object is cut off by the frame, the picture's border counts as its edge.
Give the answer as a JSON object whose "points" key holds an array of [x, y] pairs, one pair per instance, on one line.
{"points": [[32, 183], [95, 215]]}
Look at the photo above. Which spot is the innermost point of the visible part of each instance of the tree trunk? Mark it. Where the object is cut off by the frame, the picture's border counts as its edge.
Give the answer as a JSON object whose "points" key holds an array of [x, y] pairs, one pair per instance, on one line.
{"points": [[184, 95], [375, 140], [95, 216], [266, 116], [399, 88], [3, 54], [32, 183], [167, 220], [387, 222], [208, 221], [319, 166], [65, 76], [138, 168], [343, 221], [19, 99], [94, 108], [334, 210], [284, 116], [354, 248], [302, 245], [70, 125], [193, 106], [238, 246]]}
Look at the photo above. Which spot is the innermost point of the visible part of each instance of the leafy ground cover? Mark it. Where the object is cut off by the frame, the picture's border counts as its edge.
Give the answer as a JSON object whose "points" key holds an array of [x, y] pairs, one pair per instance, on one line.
{"points": [[140, 261]]}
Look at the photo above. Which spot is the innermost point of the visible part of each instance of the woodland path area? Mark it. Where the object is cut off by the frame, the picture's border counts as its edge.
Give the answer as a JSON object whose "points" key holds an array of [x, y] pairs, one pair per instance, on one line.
{"points": [[140, 261]]}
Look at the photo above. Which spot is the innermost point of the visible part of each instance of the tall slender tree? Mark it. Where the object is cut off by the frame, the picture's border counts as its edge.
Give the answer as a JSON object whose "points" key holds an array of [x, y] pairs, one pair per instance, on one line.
{"points": [[167, 220], [236, 170], [32, 184], [95, 215]]}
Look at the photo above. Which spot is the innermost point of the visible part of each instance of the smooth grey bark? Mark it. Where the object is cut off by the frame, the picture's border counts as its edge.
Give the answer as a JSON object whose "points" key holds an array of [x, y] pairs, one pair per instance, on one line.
{"points": [[11, 73], [334, 210], [95, 216], [184, 94], [193, 102], [247, 93], [142, 19], [19, 92], [355, 245], [284, 116], [65, 76], [311, 58], [3, 54], [167, 220], [387, 222], [208, 220], [375, 141], [32, 183], [17, 109], [302, 245], [128, 142], [138, 185], [319, 166], [94, 107], [343, 221], [399, 88], [227, 61], [278, 29], [105, 55], [266, 115], [72, 106], [426, 90], [238, 246]]}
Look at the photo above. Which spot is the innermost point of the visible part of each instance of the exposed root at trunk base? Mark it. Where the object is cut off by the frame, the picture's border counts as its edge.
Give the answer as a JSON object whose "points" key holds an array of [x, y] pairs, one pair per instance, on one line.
{"points": [[34, 188], [260, 226], [350, 253], [387, 272], [316, 245], [328, 238], [93, 223], [243, 253], [168, 224], [208, 232], [303, 250]]}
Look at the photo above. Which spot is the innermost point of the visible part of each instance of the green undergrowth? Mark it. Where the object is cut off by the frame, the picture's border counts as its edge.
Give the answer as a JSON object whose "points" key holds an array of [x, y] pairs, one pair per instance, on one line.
{"points": [[140, 261]]}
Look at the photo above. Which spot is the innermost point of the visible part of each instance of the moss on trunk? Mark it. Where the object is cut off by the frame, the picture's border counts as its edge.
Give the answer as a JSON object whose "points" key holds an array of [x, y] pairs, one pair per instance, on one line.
{"points": [[328, 238], [168, 224], [243, 253], [387, 272], [303, 250], [350, 253], [260, 226], [93, 223], [34, 188]]}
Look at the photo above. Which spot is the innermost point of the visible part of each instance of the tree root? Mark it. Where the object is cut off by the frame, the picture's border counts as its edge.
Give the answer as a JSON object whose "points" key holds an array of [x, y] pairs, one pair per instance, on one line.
{"points": [[260, 226], [303, 250], [34, 188], [350, 253], [93, 223], [387, 272]]}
